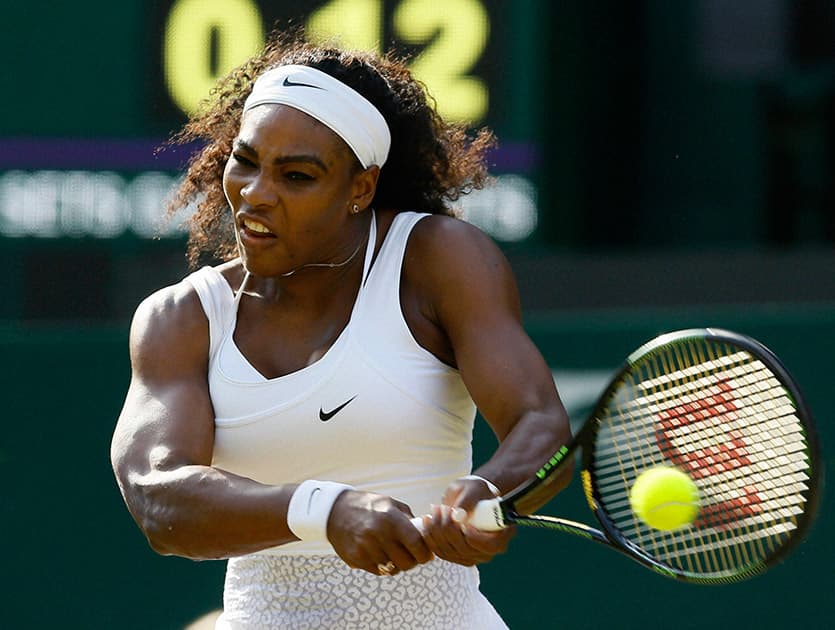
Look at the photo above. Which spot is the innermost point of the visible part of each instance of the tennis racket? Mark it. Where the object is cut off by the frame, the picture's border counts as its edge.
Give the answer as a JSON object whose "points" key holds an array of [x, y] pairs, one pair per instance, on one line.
{"points": [[718, 406]]}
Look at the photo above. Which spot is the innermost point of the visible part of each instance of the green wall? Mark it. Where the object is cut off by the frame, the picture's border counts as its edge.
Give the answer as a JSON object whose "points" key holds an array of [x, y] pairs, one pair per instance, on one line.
{"points": [[74, 558]]}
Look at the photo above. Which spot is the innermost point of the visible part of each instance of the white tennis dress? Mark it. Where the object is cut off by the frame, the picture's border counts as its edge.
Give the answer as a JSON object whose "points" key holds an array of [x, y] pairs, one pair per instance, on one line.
{"points": [[378, 412]]}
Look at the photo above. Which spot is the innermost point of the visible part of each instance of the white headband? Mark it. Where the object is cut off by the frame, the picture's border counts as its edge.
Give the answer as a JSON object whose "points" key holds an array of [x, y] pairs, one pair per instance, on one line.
{"points": [[345, 111]]}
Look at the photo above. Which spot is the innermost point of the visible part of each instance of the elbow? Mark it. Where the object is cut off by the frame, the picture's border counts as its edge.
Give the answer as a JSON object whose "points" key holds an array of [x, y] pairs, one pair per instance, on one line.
{"points": [[167, 541], [153, 507], [172, 532], [157, 530], [153, 515], [169, 511], [168, 538], [159, 546], [166, 529], [159, 536]]}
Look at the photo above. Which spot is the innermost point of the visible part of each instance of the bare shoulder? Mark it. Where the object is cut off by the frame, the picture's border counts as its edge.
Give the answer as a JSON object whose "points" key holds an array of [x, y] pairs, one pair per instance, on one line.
{"points": [[169, 325], [173, 308], [445, 250], [176, 309], [448, 233]]}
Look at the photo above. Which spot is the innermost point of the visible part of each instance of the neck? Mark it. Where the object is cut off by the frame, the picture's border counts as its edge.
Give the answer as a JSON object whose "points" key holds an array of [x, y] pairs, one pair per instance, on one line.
{"points": [[329, 265]]}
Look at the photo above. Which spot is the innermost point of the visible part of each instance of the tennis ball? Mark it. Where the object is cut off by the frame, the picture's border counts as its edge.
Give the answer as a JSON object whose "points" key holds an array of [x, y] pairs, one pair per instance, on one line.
{"points": [[664, 498]]}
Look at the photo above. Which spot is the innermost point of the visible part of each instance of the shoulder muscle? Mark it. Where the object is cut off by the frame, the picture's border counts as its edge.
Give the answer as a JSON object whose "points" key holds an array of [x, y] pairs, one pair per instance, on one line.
{"points": [[459, 268], [169, 331]]}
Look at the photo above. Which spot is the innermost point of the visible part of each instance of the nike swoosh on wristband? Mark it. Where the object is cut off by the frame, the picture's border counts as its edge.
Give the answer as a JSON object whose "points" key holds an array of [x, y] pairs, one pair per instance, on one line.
{"points": [[324, 416], [288, 83], [310, 498]]}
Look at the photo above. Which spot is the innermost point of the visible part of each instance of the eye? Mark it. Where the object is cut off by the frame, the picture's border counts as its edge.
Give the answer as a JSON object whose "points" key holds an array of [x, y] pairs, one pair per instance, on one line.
{"points": [[298, 176], [243, 161]]}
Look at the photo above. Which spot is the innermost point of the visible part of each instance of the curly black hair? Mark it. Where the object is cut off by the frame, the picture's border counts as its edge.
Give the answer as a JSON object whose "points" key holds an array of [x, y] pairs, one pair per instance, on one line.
{"points": [[431, 162]]}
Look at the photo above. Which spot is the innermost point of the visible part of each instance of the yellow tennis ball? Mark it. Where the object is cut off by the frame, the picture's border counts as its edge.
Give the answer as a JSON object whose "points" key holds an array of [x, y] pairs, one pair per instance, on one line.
{"points": [[665, 498]]}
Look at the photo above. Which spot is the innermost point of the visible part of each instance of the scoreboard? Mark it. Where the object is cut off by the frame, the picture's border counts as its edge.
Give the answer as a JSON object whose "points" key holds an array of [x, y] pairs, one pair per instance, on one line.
{"points": [[99, 86], [203, 37]]}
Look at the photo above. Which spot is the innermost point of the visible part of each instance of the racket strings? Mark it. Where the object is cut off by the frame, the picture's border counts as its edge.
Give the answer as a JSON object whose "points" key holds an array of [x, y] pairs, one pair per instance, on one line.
{"points": [[713, 558], [715, 550], [721, 416]]}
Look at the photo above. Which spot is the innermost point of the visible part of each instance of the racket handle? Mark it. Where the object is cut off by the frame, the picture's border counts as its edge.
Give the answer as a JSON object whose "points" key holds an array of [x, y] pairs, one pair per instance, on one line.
{"points": [[487, 516]]}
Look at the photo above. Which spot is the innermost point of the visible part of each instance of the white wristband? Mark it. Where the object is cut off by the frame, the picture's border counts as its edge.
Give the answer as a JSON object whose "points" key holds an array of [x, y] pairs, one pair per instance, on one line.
{"points": [[496, 492], [310, 506]]}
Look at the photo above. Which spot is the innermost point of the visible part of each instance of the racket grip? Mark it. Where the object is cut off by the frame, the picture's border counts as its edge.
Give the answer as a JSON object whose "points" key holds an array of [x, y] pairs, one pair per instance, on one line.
{"points": [[487, 516]]}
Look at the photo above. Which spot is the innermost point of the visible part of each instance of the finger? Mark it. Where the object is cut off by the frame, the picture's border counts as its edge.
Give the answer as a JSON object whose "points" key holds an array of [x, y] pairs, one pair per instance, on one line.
{"points": [[402, 558], [410, 535], [375, 561], [434, 525], [415, 543], [403, 536], [419, 522], [403, 507], [399, 546], [447, 540], [366, 561], [465, 493], [489, 542], [387, 569], [452, 492], [405, 544]]}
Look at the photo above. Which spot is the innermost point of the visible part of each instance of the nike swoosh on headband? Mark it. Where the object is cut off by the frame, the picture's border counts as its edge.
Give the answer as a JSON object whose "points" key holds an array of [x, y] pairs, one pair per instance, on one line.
{"points": [[345, 111], [324, 416], [288, 83]]}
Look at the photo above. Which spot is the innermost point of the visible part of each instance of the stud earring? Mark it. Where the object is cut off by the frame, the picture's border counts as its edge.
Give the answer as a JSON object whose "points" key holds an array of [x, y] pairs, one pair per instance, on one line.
{"points": [[355, 209]]}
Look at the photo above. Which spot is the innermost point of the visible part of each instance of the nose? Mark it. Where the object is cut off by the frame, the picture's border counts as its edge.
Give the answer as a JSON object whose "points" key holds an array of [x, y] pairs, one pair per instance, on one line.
{"points": [[259, 190]]}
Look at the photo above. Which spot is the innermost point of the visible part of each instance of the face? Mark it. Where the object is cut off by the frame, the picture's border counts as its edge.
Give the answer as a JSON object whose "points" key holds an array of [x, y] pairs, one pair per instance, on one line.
{"points": [[291, 182]]}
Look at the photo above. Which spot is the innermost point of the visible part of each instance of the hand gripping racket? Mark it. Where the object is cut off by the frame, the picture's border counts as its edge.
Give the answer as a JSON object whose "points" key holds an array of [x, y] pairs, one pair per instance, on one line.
{"points": [[718, 406]]}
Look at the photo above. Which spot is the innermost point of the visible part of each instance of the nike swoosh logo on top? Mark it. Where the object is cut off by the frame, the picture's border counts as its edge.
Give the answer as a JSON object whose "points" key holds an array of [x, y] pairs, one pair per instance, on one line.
{"points": [[324, 416], [289, 83]]}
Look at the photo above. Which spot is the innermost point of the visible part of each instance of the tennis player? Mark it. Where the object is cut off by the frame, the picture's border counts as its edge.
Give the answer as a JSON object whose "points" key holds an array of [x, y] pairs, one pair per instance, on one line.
{"points": [[291, 408]]}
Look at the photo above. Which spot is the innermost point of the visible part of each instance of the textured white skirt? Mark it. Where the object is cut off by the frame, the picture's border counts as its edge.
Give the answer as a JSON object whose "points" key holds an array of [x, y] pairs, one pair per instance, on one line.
{"points": [[304, 591]]}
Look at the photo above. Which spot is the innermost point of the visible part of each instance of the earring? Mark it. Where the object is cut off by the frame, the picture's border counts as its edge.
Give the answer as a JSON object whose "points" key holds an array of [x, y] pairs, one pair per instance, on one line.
{"points": [[355, 209]]}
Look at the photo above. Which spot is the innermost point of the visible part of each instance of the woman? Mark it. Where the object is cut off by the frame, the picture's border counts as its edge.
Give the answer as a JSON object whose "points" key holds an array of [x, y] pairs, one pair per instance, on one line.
{"points": [[292, 408]]}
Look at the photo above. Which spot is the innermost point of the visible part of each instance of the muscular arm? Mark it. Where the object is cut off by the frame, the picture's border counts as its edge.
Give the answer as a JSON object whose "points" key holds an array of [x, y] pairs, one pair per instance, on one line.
{"points": [[162, 446], [472, 297], [469, 316]]}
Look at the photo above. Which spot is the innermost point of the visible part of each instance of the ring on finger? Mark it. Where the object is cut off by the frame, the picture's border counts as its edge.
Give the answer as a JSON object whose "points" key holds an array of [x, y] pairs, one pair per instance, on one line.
{"points": [[386, 568]]}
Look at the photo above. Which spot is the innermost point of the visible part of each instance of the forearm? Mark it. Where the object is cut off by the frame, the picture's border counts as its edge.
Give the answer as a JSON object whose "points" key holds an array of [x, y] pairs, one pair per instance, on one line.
{"points": [[201, 512], [532, 441]]}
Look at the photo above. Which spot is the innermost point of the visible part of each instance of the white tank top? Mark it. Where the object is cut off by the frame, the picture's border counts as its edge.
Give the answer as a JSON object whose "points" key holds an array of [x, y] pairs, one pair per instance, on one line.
{"points": [[377, 411]]}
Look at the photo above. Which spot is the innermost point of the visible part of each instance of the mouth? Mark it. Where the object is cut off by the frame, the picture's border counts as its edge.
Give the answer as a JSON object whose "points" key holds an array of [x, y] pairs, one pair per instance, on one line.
{"points": [[255, 228]]}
